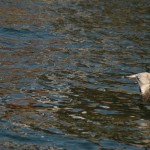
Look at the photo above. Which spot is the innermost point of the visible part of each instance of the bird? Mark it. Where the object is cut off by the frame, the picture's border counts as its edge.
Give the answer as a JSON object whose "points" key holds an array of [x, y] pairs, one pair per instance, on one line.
{"points": [[143, 80]]}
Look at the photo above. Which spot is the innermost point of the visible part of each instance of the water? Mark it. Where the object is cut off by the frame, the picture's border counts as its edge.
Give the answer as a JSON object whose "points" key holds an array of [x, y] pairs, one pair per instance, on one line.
{"points": [[62, 68]]}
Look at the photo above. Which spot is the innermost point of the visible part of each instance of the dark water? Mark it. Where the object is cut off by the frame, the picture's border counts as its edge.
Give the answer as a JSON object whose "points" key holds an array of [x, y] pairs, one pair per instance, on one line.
{"points": [[62, 68]]}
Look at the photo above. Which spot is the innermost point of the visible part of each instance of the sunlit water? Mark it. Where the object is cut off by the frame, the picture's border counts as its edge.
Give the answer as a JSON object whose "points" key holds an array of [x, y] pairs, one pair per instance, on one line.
{"points": [[62, 74]]}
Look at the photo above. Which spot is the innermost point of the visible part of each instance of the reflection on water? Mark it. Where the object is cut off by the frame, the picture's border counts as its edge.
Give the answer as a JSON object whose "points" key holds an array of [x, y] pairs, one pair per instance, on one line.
{"points": [[62, 74]]}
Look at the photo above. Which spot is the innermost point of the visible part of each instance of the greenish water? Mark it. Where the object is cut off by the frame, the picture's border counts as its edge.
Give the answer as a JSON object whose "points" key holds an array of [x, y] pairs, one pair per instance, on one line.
{"points": [[62, 68]]}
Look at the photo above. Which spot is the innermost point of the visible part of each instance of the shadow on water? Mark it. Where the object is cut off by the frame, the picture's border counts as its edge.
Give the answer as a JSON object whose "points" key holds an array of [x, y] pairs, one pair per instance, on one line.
{"points": [[62, 83]]}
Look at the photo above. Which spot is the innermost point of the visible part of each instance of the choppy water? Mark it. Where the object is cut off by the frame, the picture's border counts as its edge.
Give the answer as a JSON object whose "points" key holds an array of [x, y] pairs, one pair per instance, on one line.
{"points": [[62, 68]]}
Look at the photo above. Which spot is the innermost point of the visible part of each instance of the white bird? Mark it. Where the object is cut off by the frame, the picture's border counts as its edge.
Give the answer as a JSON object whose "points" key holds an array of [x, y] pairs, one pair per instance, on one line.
{"points": [[143, 80]]}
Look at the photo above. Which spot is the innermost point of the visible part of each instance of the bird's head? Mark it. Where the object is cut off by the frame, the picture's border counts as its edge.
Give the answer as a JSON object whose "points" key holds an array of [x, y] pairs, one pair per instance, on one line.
{"points": [[142, 78]]}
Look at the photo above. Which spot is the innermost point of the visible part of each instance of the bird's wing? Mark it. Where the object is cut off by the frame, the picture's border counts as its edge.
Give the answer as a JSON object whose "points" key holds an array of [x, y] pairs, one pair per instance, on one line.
{"points": [[145, 91]]}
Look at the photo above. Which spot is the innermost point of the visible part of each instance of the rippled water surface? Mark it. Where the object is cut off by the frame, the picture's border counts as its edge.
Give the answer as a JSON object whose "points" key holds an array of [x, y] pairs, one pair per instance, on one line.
{"points": [[62, 68]]}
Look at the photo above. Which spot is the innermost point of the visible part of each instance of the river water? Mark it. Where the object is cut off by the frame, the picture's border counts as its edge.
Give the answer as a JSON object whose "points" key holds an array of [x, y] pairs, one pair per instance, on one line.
{"points": [[62, 74]]}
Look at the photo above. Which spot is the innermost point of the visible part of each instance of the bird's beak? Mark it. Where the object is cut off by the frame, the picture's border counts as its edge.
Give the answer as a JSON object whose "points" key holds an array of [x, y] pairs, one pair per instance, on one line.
{"points": [[132, 76]]}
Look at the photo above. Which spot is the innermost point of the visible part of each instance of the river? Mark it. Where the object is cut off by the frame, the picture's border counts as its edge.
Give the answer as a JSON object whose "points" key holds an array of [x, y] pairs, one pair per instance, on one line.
{"points": [[63, 68]]}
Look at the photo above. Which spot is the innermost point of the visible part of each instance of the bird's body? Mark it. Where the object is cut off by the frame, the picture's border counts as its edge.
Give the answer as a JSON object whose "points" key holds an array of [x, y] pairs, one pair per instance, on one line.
{"points": [[143, 80]]}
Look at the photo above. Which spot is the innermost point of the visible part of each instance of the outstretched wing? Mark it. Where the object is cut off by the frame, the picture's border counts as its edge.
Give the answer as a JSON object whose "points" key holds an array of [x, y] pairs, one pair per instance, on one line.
{"points": [[145, 91]]}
